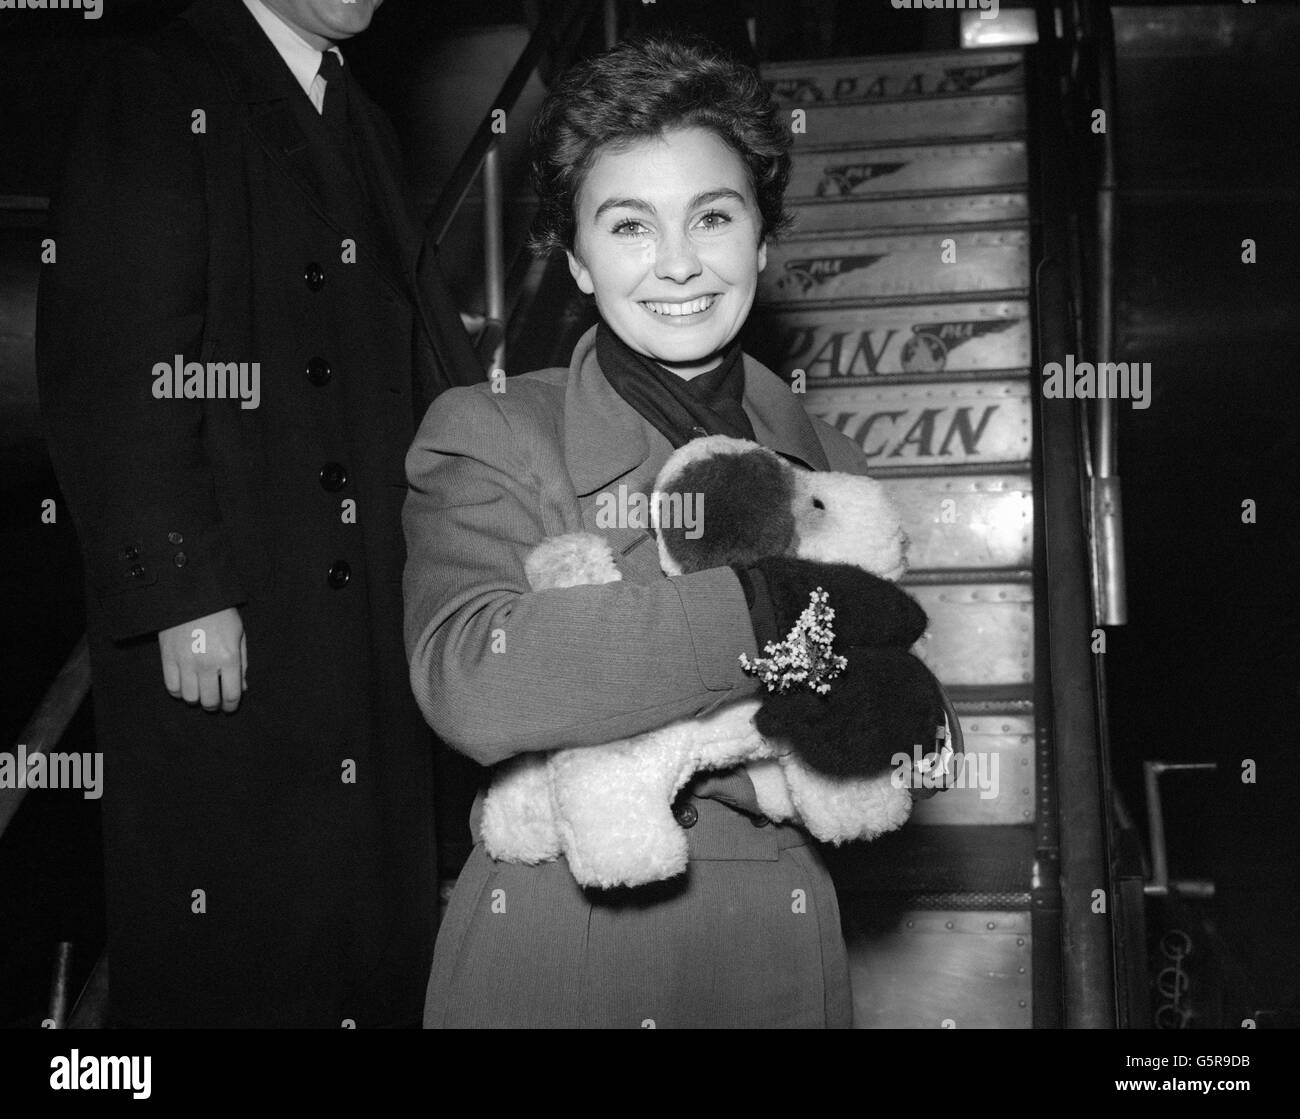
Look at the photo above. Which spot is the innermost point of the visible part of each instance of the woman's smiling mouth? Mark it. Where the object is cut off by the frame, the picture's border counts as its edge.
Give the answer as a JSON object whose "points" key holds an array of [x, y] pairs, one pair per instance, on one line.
{"points": [[682, 309]]}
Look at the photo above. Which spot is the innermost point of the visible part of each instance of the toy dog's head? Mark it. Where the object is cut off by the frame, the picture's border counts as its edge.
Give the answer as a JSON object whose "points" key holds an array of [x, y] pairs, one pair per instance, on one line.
{"points": [[749, 503]]}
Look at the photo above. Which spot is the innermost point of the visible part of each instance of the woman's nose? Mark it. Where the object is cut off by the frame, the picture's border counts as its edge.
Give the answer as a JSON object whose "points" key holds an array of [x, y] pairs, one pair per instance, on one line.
{"points": [[675, 258]]}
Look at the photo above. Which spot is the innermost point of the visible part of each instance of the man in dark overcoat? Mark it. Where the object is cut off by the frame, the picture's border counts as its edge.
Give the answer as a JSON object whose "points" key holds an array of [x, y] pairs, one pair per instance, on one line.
{"points": [[235, 339]]}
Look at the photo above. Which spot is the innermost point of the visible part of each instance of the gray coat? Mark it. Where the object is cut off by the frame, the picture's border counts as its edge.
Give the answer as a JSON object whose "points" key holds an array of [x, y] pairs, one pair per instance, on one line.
{"points": [[750, 936]]}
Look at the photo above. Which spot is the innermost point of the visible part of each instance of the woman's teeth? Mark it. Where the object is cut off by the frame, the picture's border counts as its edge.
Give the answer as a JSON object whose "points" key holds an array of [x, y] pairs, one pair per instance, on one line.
{"points": [[676, 310]]}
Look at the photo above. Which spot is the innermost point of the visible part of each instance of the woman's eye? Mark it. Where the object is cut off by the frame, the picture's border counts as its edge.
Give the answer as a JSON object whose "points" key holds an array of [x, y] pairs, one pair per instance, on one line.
{"points": [[629, 228], [715, 219]]}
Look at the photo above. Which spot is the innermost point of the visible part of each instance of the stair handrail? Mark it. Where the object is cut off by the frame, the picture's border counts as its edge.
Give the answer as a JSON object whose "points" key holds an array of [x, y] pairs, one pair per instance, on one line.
{"points": [[550, 41], [1082, 834], [46, 727]]}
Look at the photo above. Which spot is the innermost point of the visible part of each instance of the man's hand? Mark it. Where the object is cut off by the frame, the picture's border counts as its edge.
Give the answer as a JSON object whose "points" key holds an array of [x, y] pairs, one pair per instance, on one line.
{"points": [[206, 661]]}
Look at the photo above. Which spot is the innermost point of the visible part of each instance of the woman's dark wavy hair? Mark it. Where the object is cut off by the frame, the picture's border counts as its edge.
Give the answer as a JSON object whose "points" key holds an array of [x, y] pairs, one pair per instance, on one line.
{"points": [[636, 91]]}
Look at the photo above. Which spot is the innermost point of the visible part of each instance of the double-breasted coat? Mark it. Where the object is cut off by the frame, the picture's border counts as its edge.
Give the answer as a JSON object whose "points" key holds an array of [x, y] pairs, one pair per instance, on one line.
{"points": [[750, 936], [274, 866]]}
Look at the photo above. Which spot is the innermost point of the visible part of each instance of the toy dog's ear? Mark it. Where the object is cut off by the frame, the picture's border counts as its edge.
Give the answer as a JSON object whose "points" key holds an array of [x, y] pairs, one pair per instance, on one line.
{"points": [[720, 501]]}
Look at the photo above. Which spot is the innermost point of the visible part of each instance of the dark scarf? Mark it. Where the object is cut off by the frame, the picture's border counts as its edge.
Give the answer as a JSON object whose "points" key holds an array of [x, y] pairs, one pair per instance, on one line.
{"points": [[709, 404]]}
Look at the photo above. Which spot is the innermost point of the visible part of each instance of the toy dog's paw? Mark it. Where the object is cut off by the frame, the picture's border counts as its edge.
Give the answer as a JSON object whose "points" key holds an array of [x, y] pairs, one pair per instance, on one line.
{"points": [[518, 825], [575, 559]]}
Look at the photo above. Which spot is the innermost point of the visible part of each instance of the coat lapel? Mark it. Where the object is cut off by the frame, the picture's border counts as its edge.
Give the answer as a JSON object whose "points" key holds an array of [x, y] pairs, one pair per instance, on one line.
{"points": [[606, 438], [290, 131]]}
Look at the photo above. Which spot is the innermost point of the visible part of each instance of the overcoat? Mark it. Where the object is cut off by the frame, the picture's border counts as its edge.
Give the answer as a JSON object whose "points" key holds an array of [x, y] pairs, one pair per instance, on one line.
{"points": [[750, 936], [273, 866]]}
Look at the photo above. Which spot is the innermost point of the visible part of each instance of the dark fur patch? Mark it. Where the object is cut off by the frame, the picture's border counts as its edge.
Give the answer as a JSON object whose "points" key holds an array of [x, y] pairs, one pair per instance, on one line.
{"points": [[748, 504]]}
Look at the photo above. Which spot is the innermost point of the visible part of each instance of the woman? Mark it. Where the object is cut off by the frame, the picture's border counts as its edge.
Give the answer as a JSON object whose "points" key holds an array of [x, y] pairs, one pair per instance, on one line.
{"points": [[660, 167]]}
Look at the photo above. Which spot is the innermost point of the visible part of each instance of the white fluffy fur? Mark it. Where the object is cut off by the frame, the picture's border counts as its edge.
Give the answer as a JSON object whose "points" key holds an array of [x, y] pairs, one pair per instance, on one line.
{"points": [[607, 809]]}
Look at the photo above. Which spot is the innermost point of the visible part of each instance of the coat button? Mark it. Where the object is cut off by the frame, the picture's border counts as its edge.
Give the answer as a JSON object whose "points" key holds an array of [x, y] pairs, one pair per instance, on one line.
{"points": [[137, 571], [175, 538], [130, 552], [339, 574], [333, 476], [759, 821], [686, 814], [180, 559], [319, 371], [314, 276]]}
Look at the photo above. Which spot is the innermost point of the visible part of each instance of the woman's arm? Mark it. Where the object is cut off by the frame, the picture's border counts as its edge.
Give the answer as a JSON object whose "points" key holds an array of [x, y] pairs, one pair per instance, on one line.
{"points": [[499, 669]]}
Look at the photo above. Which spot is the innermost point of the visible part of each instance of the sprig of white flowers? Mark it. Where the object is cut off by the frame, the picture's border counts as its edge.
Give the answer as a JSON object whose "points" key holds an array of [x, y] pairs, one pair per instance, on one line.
{"points": [[805, 658]]}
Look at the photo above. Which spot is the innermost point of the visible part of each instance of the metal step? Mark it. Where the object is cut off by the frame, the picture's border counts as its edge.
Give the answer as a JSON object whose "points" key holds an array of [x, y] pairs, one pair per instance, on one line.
{"points": [[939, 969], [925, 118], [856, 171], [952, 261], [840, 80], [854, 345], [980, 633], [966, 521], [921, 428], [992, 866], [995, 782], [874, 214]]}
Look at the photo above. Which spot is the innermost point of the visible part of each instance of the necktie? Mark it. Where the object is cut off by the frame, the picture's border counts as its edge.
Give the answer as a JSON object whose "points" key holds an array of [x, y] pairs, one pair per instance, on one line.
{"points": [[335, 112], [335, 108]]}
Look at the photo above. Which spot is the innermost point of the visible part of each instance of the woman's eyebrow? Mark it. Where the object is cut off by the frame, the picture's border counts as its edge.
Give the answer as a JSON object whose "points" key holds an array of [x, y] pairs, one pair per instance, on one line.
{"points": [[701, 199]]}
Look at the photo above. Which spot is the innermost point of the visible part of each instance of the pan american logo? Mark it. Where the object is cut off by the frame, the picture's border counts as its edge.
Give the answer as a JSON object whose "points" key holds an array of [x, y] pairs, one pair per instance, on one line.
{"points": [[825, 352], [928, 349], [964, 79], [847, 177], [810, 272]]}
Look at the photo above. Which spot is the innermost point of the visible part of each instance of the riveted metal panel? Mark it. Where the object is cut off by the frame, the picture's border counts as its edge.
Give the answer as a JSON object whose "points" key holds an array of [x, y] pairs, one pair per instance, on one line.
{"points": [[994, 782], [835, 344], [966, 520], [893, 266], [937, 118], [939, 969], [931, 425], [844, 173], [840, 80], [864, 214], [979, 634]]}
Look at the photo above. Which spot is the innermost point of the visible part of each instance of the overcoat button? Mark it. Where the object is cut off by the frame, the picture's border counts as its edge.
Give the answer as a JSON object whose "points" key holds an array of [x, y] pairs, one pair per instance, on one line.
{"points": [[759, 821], [137, 571], [130, 552], [180, 559], [319, 371], [175, 538], [333, 476], [314, 276], [686, 814], [339, 574]]}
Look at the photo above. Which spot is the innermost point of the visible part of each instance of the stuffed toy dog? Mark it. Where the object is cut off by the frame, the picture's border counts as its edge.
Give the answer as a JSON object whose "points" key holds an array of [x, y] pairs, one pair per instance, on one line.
{"points": [[817, 746]]}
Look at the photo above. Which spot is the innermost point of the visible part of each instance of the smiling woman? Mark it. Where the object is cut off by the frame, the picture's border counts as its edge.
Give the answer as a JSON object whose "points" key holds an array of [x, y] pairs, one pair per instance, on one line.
{"points": [[660, 167]]}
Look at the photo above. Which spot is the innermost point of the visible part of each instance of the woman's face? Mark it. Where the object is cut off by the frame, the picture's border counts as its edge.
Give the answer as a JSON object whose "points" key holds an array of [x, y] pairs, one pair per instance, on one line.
{"points": [[668, 239]]}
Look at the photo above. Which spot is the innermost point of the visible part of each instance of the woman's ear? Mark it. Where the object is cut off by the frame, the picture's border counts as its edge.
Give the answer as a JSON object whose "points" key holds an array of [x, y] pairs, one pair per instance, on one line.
{"points": [[580, 275], [762, 254]]}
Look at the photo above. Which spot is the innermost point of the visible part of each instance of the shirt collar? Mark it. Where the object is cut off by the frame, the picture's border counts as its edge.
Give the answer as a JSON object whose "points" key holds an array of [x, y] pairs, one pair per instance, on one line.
{"points": [[299, 55]]}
